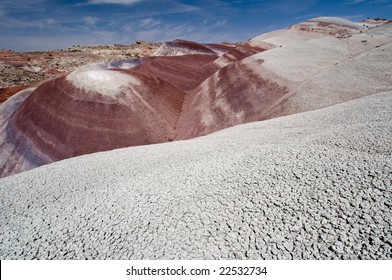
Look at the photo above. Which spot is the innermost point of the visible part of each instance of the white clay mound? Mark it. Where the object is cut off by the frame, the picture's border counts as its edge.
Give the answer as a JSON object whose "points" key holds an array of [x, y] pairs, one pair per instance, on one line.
{"points": [[305, 186]]}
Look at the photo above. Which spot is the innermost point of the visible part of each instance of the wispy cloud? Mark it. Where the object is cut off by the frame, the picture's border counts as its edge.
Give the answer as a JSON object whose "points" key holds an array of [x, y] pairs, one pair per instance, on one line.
{"points": [[221, 22], [190, 31], [288, 7], [50, 21], [127, 28], [177, 7], [353, 2], [90, 20], [22, 4], [150, 22], [165, 32], [51, 24], [384, 3], [121, 2], [11, 22]]}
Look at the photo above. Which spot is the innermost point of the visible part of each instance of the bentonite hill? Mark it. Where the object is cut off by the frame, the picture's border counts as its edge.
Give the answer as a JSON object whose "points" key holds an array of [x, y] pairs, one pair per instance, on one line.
{"points": [[275, 148]]}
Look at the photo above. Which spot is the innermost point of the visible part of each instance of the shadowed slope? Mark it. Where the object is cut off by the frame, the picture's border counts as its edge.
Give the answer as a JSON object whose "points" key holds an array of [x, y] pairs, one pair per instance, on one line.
{"points": [[185, 71], [10, 161]]}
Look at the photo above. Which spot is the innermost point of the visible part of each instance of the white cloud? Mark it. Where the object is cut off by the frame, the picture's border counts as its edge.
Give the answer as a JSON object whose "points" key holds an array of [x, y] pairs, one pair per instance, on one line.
{"points": [[221, 22], [49, 21], [90, 20], [122, 2], [289, 7], [127, 28], [187, 31], [150, 22], [167, 32], [353, 2], [12, 23]]}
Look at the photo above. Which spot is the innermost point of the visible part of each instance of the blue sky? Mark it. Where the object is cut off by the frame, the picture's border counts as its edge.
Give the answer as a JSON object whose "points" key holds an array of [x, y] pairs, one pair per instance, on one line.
{"points": [[42, 24]]}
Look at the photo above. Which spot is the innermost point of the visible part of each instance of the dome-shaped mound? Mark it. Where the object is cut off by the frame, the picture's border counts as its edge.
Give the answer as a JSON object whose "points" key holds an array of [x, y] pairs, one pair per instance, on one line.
{"points": [[93, 111]]}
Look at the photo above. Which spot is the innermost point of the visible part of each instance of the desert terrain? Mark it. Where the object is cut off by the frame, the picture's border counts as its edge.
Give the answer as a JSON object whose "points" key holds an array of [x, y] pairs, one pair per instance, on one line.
{"points": [[274, 148], [30, 69]]}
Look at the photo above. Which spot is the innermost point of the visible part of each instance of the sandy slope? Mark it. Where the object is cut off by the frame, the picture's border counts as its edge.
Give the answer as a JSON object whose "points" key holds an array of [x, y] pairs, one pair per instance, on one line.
{"points": [[310, 185]]}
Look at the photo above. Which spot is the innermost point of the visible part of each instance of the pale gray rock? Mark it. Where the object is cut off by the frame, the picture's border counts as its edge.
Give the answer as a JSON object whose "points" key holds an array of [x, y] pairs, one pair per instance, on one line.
{"points": [[315, 185]]}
